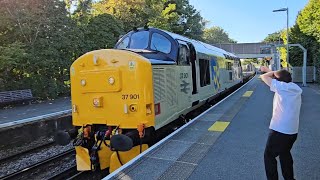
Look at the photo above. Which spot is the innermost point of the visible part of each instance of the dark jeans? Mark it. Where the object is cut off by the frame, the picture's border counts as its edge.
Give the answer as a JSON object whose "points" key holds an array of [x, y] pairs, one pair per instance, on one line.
{"points": [[279, 144]]}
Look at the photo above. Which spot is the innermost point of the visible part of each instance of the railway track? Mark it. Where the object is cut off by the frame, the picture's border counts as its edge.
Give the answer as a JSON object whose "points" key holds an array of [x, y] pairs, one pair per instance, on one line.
{"points": [[40, 167], [70, 173], [22, 153]]}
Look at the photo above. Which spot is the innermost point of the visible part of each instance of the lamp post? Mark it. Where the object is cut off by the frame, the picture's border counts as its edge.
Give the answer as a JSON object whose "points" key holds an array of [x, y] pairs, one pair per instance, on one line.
{"points": [[286, 9]]}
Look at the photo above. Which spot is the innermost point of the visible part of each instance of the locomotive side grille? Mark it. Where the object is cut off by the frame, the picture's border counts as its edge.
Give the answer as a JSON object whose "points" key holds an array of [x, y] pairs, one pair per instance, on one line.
{"points": [[171, 94], [159, 84]]}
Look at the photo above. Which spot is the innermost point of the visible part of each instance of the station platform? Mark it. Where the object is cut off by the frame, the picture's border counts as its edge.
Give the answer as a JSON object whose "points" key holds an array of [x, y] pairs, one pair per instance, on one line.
{"points": [[228, 140], [33, 112]]}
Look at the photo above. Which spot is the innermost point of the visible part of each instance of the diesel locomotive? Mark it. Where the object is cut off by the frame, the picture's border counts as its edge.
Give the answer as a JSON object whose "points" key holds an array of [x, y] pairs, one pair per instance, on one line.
{"points": [[121, 96]]}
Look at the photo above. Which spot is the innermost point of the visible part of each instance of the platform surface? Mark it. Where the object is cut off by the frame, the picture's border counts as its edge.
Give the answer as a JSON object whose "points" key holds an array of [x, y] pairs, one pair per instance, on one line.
{"points": [[22, 112], [205, 150]]}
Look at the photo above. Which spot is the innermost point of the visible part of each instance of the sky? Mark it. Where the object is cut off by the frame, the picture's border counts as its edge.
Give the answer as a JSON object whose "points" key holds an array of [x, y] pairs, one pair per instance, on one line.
{"points": [[248, 20]]}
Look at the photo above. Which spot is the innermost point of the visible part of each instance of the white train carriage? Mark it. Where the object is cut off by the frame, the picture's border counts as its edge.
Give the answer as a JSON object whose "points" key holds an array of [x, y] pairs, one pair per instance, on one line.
{"points": [[186, 73]]}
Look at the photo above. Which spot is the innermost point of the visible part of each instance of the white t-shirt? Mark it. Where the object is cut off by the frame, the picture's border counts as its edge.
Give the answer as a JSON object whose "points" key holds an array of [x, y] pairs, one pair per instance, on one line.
{"points": [[286, 107]]}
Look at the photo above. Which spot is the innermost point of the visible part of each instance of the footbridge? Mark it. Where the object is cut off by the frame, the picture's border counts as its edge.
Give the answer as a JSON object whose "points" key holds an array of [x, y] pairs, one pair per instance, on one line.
{"points": [[249, 50], [254, 50], [262, 50]]}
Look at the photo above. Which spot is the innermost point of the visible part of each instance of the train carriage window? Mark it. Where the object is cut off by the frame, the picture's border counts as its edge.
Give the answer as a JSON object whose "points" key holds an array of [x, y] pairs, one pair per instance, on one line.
{"points": [[204, 72], [228, 66], [124, 43], [139, 40], [184, 55], [160, 43]]}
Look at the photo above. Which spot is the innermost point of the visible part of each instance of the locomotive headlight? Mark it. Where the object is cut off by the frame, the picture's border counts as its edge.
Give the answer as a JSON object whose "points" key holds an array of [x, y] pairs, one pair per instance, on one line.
{"points": [[111, 80], [83, 82]]}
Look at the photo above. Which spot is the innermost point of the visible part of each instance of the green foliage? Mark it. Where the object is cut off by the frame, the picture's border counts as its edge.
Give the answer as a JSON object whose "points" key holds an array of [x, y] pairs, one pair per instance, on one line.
{"points": [[185, 19], [216, 35], [177, 16], [274, 38], [166, 18], [102, 32], [309, 23], [309, 19], [83, 11], [130, 13], [309, 42], [47, 37], [39, 39], [13, 65]]}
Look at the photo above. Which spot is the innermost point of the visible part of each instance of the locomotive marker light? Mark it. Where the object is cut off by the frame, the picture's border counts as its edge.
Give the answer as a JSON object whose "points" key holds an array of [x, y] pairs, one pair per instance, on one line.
{"points": [[111, 80], [95, 60]]}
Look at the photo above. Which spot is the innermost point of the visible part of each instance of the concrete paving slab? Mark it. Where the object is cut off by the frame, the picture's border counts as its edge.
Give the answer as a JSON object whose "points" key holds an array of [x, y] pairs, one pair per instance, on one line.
{"points": [[34, 110]]}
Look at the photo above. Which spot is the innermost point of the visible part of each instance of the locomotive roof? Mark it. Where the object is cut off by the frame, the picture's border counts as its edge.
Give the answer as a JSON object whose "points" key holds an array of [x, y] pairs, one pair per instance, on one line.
{"points": [[200, 46]]}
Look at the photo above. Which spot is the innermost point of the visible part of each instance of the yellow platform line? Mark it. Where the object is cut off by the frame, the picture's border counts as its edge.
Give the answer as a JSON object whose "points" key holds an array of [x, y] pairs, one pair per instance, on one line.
{"points": [[247, 94], [219, 126]]}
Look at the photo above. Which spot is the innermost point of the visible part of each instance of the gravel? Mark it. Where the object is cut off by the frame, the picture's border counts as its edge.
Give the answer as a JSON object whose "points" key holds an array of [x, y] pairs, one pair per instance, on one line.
{"points": [[25, 160]]}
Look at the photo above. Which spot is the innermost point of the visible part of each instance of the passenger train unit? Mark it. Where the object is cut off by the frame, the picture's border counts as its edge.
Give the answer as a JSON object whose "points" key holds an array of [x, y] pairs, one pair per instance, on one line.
{"points": [[121, 96]]}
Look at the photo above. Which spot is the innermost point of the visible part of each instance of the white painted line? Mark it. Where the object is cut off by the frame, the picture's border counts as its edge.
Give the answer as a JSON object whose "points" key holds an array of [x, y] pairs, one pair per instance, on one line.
{"points": [[166, 138], [36, 118]]}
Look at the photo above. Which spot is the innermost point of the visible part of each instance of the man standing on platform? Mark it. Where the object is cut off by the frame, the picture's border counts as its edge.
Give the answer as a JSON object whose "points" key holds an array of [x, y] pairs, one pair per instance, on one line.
{"points": [[284, 123]]}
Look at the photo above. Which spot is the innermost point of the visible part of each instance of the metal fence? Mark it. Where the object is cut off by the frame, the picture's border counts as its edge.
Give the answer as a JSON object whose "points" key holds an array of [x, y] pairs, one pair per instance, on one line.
{"points": [[297, 74]]}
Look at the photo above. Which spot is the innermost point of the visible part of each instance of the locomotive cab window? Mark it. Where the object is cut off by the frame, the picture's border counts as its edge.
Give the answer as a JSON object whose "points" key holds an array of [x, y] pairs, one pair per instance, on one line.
{"points": [[139, 40], [124, 43], [184, 55], [160, 43]]}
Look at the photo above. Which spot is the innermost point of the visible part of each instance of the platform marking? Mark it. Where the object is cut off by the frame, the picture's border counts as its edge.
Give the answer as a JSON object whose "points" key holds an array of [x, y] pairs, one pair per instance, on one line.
{"points": [[247, 94], [219, 126]]}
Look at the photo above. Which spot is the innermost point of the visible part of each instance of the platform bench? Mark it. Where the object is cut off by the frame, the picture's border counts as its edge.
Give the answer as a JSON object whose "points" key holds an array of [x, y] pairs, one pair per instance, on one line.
{"points": [[9, 97]]}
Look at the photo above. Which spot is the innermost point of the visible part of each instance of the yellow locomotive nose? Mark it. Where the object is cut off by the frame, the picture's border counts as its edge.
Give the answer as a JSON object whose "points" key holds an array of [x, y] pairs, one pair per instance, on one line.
{"points": [[113, 88]]}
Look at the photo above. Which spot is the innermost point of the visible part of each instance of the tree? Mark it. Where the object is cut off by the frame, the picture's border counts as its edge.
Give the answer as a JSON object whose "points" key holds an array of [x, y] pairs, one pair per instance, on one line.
{"points": [[13, 62], [274, 38], [189, 21], [216, 35], [309, 42], [167, 17], [309, 19], [49, 38], [177, 16], [130, 13], [82, 13], [102, 32]]}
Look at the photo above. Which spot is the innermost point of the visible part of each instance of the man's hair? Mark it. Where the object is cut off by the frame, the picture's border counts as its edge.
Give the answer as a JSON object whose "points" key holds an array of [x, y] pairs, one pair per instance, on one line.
{"points": [[284, 76]]}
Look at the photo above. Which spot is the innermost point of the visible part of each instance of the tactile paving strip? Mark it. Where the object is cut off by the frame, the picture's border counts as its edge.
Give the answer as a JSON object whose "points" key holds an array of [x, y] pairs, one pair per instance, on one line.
{"points": [[195, 153], [178, 171]]}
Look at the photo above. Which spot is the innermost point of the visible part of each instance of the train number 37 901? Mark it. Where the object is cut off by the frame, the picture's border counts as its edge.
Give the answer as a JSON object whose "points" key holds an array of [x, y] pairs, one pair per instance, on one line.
{"points": [[130, 96]]}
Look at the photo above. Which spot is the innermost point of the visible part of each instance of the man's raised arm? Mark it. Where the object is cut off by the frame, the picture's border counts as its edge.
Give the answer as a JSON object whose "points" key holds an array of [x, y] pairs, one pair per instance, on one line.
{"points": [[268, 76]]}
